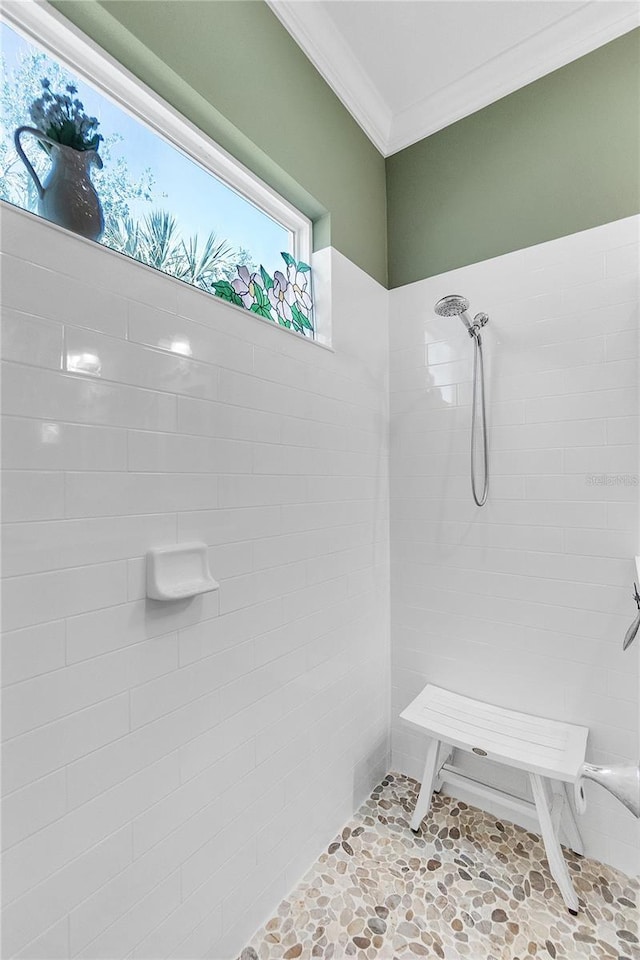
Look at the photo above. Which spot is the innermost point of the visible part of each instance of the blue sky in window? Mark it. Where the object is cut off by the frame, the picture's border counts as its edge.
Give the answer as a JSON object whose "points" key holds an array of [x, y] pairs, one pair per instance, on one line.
{"points": [[199, 201]]}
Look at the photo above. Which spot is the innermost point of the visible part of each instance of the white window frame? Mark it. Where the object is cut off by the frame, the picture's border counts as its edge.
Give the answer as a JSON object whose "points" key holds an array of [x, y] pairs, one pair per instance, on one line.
{"points": [[48, 29]]}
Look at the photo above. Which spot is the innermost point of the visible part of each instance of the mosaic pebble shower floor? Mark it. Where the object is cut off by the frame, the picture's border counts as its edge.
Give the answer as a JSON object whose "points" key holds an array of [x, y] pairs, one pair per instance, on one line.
{"points": [[469, 886]]}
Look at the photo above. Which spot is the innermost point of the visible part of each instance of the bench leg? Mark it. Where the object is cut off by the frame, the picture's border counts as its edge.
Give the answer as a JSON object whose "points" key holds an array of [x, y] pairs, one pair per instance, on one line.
{"points": [[555, 856], [426, 790], [557, 803], [445, 755], [570, 825]]}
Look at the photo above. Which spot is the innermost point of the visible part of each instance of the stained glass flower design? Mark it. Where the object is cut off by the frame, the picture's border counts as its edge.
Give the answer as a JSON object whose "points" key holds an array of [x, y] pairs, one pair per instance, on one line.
{"points": [[63, 119], [283, 298], [245, 286], [298, 281]]}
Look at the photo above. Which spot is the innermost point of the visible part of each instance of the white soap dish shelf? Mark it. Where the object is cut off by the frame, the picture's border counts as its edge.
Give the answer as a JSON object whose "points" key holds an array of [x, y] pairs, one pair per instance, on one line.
{"points": [[178, 572]]}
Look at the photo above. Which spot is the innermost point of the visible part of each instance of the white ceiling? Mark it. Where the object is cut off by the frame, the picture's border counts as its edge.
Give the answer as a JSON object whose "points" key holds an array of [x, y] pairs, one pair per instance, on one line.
{"points": [[406, 68]]}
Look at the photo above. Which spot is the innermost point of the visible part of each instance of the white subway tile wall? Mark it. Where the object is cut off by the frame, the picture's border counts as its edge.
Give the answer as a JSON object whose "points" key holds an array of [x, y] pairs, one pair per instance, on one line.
{"points": [[171, 770], [524, 602]]}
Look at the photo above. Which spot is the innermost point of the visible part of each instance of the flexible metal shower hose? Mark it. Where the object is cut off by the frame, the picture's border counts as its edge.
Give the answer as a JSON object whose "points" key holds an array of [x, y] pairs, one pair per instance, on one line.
{"points": [[478, 371]]}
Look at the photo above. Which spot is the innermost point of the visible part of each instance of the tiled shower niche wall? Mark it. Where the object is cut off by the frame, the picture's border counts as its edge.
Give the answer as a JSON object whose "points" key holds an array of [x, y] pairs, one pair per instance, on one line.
{"points": [[171, 770], [525, 601]]}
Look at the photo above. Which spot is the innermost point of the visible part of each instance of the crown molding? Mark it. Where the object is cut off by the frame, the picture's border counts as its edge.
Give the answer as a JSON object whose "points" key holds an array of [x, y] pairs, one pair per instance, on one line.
{"points": [[580, 32], [590, 26], [324, 45]]}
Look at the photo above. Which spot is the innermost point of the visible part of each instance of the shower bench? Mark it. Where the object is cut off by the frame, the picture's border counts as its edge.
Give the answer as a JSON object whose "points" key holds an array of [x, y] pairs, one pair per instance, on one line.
{"points": [[551, 753]]}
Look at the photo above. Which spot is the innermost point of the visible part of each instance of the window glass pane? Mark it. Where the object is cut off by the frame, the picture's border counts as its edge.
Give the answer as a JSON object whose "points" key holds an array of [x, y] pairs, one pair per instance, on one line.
{"points": [[158, 205]]}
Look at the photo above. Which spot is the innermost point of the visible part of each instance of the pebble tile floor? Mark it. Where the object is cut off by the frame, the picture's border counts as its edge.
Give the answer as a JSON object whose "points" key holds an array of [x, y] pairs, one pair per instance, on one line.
{"points": [[469, 886]]}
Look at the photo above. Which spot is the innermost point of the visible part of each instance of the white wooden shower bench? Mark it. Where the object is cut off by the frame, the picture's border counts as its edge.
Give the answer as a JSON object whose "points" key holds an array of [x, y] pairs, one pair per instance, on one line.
{"points": [[551, 752]]}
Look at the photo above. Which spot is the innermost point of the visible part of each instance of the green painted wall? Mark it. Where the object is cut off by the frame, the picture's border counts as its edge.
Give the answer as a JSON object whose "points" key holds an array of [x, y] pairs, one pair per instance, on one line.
{"points": [[558, 156], [232, 68]]}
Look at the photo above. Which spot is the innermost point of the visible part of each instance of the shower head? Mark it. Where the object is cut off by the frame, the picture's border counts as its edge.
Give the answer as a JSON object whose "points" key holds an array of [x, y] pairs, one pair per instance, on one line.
{"points": [[452, 305]]}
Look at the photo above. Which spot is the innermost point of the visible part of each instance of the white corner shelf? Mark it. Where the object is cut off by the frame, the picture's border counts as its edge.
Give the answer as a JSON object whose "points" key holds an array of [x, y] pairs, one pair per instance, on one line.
{"points": [[179, 572]]}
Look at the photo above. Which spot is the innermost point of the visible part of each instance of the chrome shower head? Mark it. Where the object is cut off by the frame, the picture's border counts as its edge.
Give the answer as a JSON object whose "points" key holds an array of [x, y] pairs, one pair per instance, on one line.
{"points": [[452, 305]]}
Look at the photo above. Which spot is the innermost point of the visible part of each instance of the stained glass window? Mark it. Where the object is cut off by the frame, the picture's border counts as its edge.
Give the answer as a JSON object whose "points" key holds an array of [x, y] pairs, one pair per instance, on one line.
{"points": [[158, 205]]}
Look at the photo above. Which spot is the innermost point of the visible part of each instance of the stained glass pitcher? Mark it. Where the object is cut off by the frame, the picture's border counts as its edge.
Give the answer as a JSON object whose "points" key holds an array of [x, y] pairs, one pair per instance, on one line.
{"points": [[67, 196]]}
